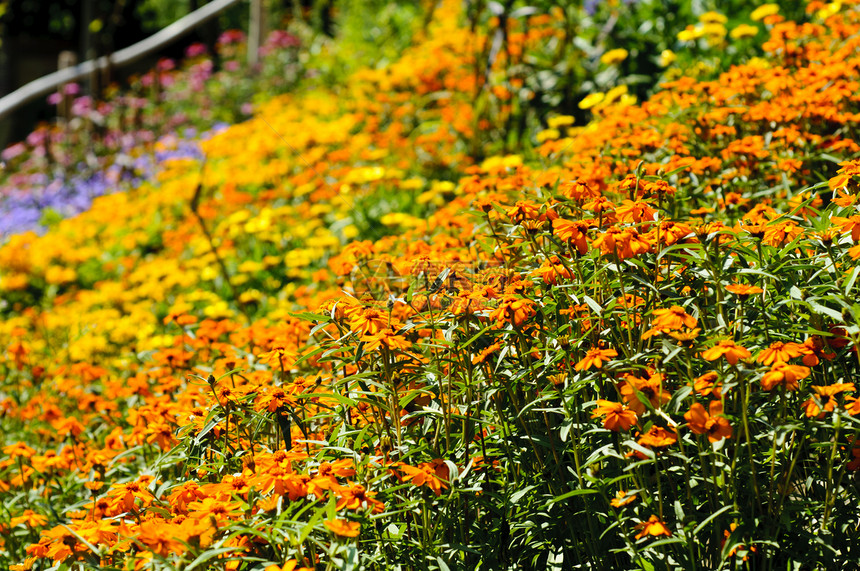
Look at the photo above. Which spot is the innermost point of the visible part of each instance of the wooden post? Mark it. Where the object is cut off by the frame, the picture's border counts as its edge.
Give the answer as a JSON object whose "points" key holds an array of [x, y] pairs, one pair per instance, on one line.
{"points": [[255, 33], [65, 60]]}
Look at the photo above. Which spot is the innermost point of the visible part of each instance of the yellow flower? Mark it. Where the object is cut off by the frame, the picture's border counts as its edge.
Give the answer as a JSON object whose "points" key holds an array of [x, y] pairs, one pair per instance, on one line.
{"points": [[59, 275], [627, 100], [743, 31], [591, 100], [714, 31], [764, 11], [547, 135], [350, 232], [829, 10], [614, 57], [400, 219], [667, 58], [560, 121], [713, 18], [690, 33], [13, 281], [614, 94]]}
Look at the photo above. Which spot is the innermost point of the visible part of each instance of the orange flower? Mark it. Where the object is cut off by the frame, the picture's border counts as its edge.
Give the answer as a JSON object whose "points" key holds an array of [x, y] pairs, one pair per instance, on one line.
{"points": [[124, 495], [486, 353], [850, 224], [343, 528], [577, 190], [779, 352], [824, 400], [651, 388], [387, 338], [573, 232], [523, 210], [30, 518], [813, 351], [626, 242], [743, 290], [782, 374], [356, 496], [211, 507], [368, 321], [727, 533], [622, 498], [630, 211], [514, 310], [727, 348], [61, 543], [617, 416], [160, 537], [706, 385], [552, 270], [852, 407], [18, 450], [280, 356], [653, 527], [292, 564], [686, 337], [433, 474], [714, 424], [672, 318], [594, 358], [658, 437]]}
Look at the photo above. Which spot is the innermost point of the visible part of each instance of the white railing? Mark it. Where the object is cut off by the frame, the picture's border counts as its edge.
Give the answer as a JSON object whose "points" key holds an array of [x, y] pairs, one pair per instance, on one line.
{"points": [[50, 83]]}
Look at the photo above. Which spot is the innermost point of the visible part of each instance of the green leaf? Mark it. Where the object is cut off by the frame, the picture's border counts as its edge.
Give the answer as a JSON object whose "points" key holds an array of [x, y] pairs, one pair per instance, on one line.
{"points": [[211, 554], [520, 494], [309, 527], [572, 494], [710, 518], [850, 283], [639, 448], [593, 305]]}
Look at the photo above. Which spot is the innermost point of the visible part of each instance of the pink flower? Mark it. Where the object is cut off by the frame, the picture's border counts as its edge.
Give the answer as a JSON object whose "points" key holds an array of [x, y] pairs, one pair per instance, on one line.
{"points": [[15, 150], [231, 37], [195, 50]]}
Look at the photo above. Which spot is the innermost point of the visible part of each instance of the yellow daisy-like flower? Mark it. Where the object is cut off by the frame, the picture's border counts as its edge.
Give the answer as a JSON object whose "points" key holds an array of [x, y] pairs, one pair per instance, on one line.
{"points": [[560, 121], [591, 100], [614, 57], [690, 33], [713, 18], [743, 31], [548, 135], [615, 93], [667, 58], [764, 11]]}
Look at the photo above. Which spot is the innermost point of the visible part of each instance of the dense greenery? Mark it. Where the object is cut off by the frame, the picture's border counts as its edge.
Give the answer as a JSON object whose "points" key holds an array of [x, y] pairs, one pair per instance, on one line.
{"points": [[459, 298]]}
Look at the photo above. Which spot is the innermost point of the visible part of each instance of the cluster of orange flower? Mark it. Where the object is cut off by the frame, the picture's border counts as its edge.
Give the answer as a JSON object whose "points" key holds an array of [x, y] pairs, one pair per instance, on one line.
{"points": [[249, 382]]}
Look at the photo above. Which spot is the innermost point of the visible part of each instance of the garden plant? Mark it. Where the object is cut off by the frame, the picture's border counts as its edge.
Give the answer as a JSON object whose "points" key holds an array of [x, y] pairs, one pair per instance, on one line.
{"points": [[506, 295]]}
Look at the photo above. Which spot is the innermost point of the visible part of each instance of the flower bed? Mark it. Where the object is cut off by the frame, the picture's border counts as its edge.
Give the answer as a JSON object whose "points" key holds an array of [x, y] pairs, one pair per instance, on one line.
{"points": [[342, 341]]}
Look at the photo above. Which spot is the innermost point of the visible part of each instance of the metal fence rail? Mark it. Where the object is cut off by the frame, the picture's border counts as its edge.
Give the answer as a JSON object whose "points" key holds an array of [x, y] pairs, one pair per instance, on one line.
{"points": [[50, 83]]}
